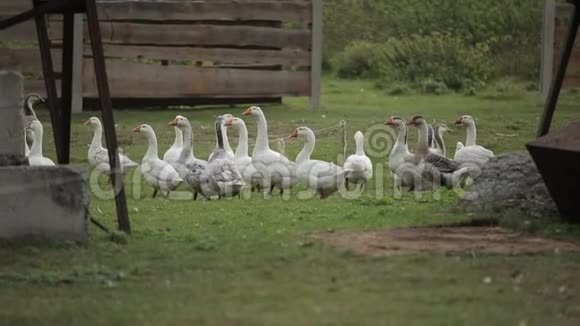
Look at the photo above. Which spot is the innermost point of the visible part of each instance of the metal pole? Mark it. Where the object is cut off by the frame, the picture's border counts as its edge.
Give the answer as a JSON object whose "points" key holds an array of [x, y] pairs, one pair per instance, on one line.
{"points": [[107, 115], [556, 87]]}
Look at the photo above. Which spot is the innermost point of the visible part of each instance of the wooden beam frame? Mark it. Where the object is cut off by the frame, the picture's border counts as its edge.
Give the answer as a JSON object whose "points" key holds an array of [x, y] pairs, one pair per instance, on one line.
{"points": [[316, 61]]}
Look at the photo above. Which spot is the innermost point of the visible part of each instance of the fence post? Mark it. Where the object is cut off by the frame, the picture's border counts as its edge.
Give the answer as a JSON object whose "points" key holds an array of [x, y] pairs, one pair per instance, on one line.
{"points": [[548, 47], [78, 51], [316, 60]]}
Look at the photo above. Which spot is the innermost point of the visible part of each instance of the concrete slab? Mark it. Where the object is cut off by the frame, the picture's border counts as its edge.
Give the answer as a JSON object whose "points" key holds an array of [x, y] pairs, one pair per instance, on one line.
{"points": [[11, 123], [44, 203]]}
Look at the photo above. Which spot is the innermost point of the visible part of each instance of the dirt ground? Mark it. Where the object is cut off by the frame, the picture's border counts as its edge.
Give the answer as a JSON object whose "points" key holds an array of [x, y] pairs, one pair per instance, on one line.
{"points": [[444, 240]]}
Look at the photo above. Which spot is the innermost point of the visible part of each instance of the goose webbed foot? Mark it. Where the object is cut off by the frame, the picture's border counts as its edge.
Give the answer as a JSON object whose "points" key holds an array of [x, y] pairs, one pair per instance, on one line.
{"points": [[271, 190], [167, 195], [155, 193], [195, 196]]}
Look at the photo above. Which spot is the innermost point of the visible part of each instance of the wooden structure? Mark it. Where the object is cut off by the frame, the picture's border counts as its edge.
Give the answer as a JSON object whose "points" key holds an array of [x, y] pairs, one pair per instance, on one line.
{"points": [[60, 110], [557, 154], [557, 20], [187, 52]]}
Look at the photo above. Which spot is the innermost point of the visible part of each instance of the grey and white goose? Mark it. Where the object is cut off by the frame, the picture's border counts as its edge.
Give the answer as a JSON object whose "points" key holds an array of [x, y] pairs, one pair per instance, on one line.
{"points": [[428, 170], [222, 176]]}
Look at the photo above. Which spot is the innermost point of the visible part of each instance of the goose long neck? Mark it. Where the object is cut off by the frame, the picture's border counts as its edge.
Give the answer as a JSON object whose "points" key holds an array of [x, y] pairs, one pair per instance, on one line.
{"points": [[403, 134], [187, 148], [242, 150], [440, 142], [309, 143], [38, 138], [97, 137], [219, 135], [227, 146], [178, 141], [423, 134], [360, 145], [262, 137], [152, 145], [471, 134]]}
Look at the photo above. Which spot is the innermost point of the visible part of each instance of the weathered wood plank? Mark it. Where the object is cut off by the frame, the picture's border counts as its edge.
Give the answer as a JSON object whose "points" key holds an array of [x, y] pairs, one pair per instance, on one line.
{"points": [[285, 57], [37, 86], [156, 81], [205, 10], [316, 70], [27, 60], [231, 10], [21, 32], [201, 35], [572, 82]]}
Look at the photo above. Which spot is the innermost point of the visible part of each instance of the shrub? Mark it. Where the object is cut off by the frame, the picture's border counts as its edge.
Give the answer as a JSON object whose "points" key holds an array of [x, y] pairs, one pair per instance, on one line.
{"points": [[360, 59], [444, 58], [431, 86]]}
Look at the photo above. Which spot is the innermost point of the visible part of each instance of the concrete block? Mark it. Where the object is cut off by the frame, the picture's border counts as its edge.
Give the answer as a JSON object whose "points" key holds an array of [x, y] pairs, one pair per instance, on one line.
{"points": [[44, 203], [11, 119]]}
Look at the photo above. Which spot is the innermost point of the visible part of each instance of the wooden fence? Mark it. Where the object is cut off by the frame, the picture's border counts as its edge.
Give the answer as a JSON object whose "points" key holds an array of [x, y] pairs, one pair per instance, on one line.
{"points": [[185, 51], [557, 17]]}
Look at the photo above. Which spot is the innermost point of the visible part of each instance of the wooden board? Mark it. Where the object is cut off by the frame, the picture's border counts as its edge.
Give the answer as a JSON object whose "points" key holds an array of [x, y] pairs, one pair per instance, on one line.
{"points": [[21, 32], [572, 82], [285, 57], [199, 35], [230, 10], [27, 61], [37, 86], [156, 81], [205, 10]]}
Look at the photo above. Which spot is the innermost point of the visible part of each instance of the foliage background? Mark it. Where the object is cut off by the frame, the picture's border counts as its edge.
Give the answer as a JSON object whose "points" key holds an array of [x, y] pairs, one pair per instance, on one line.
{"points": [[455, 42]]}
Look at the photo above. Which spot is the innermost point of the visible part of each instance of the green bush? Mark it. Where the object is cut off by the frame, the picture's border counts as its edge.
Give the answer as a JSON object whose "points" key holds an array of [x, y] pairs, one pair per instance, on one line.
{"points": [[360, 59]]}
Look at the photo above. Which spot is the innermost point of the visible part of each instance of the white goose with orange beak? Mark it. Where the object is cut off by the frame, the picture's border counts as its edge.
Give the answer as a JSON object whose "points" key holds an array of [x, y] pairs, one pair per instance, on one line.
{"points": [[323, 177], [98, 155], [35, 156], [471, 153], [158, 173], [278, 171], [188, 166], [243, 161]]}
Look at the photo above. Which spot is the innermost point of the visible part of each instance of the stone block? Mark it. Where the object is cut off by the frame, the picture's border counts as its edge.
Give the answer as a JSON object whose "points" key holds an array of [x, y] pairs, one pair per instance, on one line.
{"points": [[11, 120]]}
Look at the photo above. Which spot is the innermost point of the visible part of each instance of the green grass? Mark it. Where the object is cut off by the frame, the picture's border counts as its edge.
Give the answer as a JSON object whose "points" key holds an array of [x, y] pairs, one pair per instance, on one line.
{"points": [[250, 262]]}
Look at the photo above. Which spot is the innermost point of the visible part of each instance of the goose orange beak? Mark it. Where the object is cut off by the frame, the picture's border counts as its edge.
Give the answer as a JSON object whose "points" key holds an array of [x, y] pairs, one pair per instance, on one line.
{"points": [[88, 122], [294, 134], [411, 122], [389, 122], [137, 129], [459, 121], [229, 123], [173, 122], [248, 111]]}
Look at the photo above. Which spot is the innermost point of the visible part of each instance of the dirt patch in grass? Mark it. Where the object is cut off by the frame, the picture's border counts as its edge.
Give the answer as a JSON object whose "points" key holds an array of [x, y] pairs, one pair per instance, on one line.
{"points": [[444, 240]]}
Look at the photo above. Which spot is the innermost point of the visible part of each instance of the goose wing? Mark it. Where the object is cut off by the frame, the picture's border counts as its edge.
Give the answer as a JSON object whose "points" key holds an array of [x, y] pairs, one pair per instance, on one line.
{"points": [[441, 163]]}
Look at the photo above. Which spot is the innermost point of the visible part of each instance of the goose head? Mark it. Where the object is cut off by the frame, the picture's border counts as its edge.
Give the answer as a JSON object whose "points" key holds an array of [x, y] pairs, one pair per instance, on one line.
{"points": [[30, 101], [179, 122], [302, 133], [144, 129], [234, 122], [416, 121], [93, 122], [253, 110], [465, 120], [442, 128], [395, 122]]}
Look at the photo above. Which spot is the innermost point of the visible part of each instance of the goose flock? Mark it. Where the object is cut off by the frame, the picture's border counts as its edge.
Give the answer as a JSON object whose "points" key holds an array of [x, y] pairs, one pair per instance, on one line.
{"points": [[226, 173]]}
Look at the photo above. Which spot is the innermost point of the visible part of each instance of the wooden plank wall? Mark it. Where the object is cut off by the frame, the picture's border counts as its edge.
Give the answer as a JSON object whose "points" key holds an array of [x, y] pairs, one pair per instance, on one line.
{"points": [[556, 26], [184, 48]]}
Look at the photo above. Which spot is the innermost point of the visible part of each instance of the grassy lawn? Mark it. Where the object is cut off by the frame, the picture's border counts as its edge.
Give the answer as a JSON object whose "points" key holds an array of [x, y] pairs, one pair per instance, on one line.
{"points": [[249, 262]]}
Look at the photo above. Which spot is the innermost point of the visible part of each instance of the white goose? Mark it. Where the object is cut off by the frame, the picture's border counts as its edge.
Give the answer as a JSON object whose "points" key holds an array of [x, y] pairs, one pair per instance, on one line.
{"points": [[28, 138], [221, 175], [471, 153], [29, 114], [359, 164], [243, 160], [323, 177], [189, 167], [158, 173], [35, 156], [98, 155], [227, 147], [440, 148], [400, 153], [172, 154], [277, 170]]}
